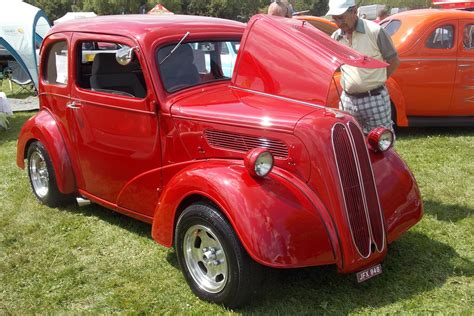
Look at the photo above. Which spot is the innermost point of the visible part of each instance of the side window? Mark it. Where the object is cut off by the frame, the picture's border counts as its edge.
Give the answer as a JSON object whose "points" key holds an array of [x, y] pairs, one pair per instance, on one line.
{"points": [[195, 63], [391, 26], [468, 37], [441, 38], [56, 70], [98, 70]]}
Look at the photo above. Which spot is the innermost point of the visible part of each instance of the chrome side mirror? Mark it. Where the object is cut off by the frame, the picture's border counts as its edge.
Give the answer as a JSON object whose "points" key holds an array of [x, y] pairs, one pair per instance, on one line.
{"points": [[124, 55]]}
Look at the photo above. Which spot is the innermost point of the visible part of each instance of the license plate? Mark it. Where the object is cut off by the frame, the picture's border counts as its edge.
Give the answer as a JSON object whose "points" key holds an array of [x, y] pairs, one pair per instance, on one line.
{"points": [[369, 273]]}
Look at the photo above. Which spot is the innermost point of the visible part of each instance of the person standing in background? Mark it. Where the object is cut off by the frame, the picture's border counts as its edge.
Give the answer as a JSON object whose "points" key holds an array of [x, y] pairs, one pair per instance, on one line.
{"points": [[280, 8], [364, 93], [382, 14]]}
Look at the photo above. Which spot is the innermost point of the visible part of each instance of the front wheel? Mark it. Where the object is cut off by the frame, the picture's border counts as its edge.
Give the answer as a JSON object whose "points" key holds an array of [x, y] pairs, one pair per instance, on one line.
{"points": [[42, 177], [213, 261]]}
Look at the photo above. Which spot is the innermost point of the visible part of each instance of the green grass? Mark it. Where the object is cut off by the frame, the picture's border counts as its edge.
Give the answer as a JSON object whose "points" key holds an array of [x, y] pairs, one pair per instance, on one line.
{"points": [[90, 259], [15, 92]]}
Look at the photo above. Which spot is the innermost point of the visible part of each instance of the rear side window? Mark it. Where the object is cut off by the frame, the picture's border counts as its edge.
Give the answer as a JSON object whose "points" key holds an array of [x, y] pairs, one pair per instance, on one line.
{"points": [[195, 63], [468, 37], [391, 26], [98, 70], [56, 70], [441, 38]]}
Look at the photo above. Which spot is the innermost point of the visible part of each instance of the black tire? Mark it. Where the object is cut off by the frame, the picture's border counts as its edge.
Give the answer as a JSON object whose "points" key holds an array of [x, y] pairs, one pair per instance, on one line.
{"points": [[42, 177], [238, 277]]}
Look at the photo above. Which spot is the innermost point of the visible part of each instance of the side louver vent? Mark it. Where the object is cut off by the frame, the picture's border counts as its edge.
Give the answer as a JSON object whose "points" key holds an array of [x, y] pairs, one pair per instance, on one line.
{"points": [[244, 143], [358, 185]]}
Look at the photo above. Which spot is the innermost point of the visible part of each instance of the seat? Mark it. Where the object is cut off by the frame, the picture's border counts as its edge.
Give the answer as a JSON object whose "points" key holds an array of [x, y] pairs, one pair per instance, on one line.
{"points": [[178, 70], [109, 76], [17, 75]]}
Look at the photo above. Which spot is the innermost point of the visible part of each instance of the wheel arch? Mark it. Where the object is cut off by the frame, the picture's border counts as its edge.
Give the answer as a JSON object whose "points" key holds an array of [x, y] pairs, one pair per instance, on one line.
{"points": [[271, 217], [43, 128]]}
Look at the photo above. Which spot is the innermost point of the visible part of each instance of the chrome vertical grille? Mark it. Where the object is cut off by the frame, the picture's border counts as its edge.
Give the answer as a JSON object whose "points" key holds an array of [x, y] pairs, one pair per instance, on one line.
{"points": [[358, 186], [371, 196], [351, 187]]}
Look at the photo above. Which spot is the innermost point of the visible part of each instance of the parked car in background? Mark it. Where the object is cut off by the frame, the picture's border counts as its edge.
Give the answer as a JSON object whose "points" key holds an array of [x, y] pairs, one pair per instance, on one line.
{"points": [[434, 84], [323, 24], [235, 172]]}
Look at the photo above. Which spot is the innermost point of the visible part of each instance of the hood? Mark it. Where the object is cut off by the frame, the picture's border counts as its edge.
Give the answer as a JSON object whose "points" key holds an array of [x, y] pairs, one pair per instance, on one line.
{"points": [[291, 58]]}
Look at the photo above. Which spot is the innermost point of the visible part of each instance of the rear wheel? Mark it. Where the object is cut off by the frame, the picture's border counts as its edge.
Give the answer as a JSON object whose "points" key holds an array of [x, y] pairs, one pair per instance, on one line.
{"points": [[213, 261], [42, 177]]}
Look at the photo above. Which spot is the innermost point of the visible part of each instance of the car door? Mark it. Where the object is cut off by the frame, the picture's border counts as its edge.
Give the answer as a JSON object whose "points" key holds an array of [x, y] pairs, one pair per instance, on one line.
{"points": [[463, 97], [427, 75], [114, 121], [55, 85]]}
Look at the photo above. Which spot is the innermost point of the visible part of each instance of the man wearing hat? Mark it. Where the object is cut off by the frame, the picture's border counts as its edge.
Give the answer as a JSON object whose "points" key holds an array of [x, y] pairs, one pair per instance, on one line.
{"points": [[364, 93]]}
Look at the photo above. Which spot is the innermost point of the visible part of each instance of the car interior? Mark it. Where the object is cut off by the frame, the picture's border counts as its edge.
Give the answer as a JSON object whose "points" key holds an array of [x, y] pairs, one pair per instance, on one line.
{"points": [[100, 71]]}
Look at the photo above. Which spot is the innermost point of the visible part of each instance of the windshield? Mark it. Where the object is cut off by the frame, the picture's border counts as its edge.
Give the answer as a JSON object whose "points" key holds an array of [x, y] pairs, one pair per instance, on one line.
{"points": [[195, 63]]}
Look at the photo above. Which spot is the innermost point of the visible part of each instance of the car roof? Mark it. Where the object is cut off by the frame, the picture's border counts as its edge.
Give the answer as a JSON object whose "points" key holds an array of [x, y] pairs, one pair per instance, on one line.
{"points": [[137, 25], [432, 14], [414, 24]]}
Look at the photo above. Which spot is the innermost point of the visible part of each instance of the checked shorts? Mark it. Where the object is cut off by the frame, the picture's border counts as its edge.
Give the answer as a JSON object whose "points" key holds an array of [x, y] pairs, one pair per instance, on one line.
{"points": [[370, 111]]}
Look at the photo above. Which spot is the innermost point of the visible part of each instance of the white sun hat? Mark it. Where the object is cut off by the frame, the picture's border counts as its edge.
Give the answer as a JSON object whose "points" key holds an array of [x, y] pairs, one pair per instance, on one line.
{"points": [[338, 7]]}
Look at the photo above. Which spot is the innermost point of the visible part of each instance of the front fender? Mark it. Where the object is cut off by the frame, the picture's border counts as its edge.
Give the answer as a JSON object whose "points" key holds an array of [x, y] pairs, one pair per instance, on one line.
{"points": [[43, 127], [398, 192], [276, 222], [398, 100]]}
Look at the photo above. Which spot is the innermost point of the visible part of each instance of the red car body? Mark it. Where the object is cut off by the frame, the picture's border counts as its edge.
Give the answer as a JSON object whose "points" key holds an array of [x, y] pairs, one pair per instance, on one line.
{"points": [[328, 199]]}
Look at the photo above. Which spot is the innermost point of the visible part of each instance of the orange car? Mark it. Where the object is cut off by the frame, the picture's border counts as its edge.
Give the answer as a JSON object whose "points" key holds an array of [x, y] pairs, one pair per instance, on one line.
{"points": [[434, 84], [322, 24]]}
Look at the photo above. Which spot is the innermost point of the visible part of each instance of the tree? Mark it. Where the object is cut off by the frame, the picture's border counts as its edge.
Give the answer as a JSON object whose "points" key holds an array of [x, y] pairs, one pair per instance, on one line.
{"points": [[53, 8]]}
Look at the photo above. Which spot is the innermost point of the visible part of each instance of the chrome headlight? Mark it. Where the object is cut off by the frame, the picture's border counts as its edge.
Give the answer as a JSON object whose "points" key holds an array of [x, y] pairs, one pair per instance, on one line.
{"points": [[259, 162], [380, 139]]}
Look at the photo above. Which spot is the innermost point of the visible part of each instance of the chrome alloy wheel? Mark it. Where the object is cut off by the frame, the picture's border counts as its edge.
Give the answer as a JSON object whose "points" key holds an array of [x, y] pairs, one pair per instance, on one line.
{"points": [[205, 258], [39, 174]]}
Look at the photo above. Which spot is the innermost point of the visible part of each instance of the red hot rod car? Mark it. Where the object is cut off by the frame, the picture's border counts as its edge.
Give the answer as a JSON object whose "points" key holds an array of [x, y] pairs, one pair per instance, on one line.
{"points": [[237, 163]]}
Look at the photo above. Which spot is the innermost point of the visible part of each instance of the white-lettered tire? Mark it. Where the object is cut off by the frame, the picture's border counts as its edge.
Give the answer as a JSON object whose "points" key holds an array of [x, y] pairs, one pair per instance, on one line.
{"points": [[213, 261], [42, 177]]}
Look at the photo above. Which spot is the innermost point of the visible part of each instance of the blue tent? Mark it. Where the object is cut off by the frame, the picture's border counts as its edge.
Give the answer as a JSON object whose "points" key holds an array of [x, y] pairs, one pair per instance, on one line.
{"points": [[22, 29]]}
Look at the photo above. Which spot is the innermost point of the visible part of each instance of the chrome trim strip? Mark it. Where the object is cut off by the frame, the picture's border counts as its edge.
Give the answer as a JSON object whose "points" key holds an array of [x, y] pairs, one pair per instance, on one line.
{"points": [[428, 59], [280, 97], [344, 196], [378, 200]]}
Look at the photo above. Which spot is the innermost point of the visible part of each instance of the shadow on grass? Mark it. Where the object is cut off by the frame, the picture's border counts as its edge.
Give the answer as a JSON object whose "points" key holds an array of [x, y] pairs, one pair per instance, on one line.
{"points": [[423, 132], [117, 219], [414, 264], [448, 213]]}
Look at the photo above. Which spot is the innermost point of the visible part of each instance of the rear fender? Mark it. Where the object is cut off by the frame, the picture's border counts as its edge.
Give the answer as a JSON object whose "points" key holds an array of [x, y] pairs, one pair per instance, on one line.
{"points": [[276, 222], [398, 101], [43, 127]]}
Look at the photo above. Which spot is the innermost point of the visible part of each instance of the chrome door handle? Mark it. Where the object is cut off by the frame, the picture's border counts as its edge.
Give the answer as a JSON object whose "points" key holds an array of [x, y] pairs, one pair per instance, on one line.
{"points": [[73, 105], [464, 65]]}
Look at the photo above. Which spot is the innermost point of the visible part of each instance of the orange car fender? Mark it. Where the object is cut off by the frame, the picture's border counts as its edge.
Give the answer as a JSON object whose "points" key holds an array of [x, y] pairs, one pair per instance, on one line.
{"points": [[398, 101], [42, 127]]}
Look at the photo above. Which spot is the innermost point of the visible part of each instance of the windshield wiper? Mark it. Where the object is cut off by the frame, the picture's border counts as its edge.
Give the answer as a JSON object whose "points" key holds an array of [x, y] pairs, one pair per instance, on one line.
{"points": [[176, 47]]}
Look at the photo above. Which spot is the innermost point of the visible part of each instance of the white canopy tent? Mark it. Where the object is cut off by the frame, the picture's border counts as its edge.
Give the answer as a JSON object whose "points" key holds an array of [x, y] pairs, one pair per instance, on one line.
{"points": [[22, 29], [74, 15]]}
